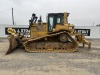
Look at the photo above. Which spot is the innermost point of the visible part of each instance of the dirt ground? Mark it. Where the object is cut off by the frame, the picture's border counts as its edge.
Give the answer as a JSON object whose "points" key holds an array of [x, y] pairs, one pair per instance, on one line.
{"points": [[83, 62]]}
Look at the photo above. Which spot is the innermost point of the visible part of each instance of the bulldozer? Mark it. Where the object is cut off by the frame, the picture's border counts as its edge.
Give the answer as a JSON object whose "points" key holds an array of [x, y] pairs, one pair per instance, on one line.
{"points": [[55, 35]]}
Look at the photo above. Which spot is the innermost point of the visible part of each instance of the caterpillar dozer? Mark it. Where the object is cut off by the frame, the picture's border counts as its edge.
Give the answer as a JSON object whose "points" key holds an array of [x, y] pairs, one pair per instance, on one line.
{"points": [[56, 35]]}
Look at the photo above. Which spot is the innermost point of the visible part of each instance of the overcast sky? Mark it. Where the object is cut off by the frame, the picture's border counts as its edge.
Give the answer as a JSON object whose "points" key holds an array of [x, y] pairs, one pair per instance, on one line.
{"points": [[82, 12]]}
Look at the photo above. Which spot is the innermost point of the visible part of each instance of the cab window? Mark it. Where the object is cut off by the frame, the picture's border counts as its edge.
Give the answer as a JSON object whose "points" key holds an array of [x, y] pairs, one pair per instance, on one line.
{"points": [[60, 19], [51, 23]]}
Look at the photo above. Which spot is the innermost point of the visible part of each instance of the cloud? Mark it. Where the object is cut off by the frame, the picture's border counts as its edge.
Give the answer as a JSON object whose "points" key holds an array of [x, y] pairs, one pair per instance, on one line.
{"points": [[83, 12]]}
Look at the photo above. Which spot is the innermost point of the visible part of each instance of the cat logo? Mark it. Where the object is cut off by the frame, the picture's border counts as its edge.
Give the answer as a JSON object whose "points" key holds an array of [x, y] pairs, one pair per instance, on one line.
{"points": [[11, 31]]}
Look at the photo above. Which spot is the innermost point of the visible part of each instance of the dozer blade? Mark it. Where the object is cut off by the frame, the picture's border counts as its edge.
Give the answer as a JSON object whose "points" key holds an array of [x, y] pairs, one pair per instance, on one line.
{"points": [[13, 44]]}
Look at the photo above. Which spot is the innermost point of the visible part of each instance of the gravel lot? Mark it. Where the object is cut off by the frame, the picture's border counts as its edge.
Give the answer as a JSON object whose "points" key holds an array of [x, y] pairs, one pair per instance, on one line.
{"points": [[83, 62]]}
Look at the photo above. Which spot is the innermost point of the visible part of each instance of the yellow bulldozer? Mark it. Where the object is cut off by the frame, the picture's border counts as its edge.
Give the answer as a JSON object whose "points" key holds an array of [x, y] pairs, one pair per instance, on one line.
{"points": [[56, 35]]}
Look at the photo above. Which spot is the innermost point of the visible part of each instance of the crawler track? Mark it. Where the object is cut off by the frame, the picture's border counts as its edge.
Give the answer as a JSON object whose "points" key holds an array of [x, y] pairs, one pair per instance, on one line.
{"points": [[34, 45], [49, 47]]}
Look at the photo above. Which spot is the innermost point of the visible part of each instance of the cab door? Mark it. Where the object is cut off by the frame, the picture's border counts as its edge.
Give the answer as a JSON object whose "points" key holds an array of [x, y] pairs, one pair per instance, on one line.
{"points": [[51, 23]]}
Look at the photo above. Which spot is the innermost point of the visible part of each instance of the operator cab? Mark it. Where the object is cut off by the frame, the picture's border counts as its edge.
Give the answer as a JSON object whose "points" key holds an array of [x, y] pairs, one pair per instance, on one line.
{"points": [[54, 19]]}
